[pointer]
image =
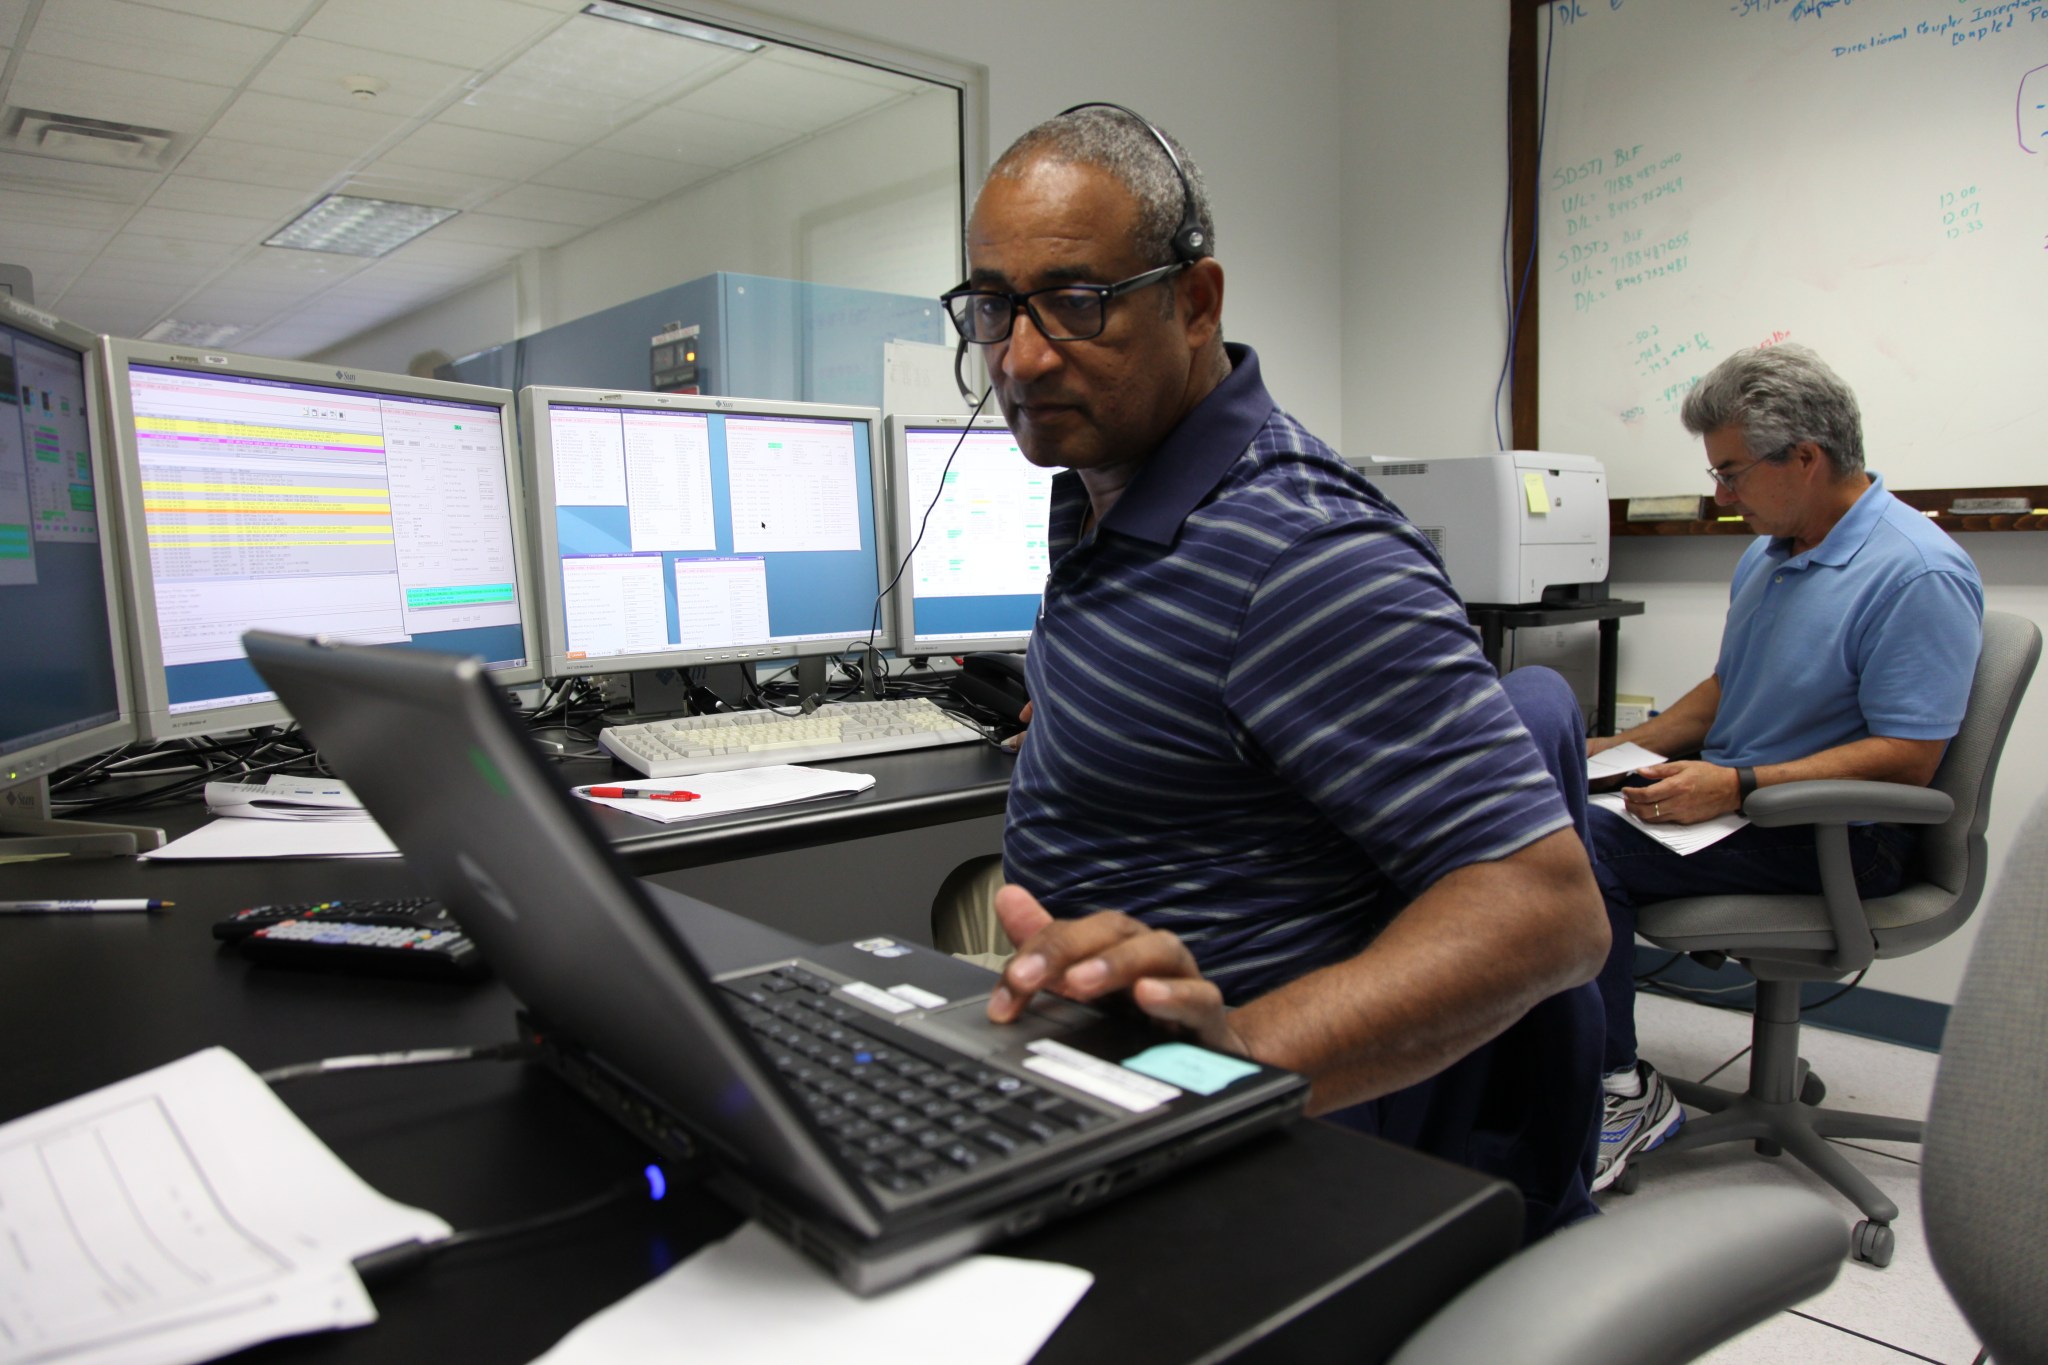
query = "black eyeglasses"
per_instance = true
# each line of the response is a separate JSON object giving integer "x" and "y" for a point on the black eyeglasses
{"x": 1728, "y": 481}
{"x": 1066, "y": 312}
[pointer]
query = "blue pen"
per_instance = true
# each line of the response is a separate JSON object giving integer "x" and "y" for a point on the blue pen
{"x": 78, "y": 906}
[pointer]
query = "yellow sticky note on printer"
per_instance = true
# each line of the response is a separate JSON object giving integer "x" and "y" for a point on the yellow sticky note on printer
{"x": 1539, "y": 496}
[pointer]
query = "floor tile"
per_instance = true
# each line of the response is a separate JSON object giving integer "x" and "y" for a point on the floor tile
{"x": 1789, "y": 1337}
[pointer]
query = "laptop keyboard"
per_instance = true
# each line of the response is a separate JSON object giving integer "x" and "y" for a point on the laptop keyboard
{"x": 904, "y": 1112}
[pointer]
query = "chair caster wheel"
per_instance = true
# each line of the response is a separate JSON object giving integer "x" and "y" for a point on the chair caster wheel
{"x": 1872, "y": 1242}
{"x": 1813, "y": 1091}
{"x": 1628, "y": 1181}
{"x": 1766, "y": 1147}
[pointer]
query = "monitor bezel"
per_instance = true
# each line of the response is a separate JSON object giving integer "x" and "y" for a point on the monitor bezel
{"x": 40, "y": 757}
{"x": 537, "y": 445}
{"x": 904, "y": 519}
{"x": 154, "y": 718}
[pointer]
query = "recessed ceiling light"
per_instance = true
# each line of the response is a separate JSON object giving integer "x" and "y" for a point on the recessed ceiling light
{"x": 350, "y": 225}
{"x": 179, "y": 333}
{"x": 668, "y": 23}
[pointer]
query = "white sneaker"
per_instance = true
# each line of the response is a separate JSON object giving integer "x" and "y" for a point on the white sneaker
{"x": 1635, "y": 1123}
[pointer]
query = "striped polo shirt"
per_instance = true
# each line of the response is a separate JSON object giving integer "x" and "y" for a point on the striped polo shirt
{"x": 1261, "y": 718}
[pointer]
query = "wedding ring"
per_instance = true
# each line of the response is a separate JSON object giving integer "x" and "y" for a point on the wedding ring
{"x": 1657, "y": 808}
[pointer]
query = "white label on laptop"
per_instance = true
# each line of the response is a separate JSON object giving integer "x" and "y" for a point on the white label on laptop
{"x": 918, "y": 996}
{"x": 876, "y": 996}
{"x": 1104, "y": 1080}
{"x": 882, "y": 947}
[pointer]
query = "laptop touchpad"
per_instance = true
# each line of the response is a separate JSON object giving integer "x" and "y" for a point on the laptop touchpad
{"x": 966, "y": 1025}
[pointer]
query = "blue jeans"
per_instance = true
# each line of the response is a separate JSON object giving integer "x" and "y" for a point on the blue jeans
{"x": 1635, "y": 870}
{"x": 1525, "y": 1106}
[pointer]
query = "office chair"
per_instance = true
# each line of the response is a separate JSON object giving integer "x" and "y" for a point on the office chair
{"x": 1981, "y": 1190}
{"x": 1663, "y": 1282}
{"x": 1785, "y": 940}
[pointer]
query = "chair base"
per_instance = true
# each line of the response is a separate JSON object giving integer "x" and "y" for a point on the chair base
{"x": 1772, "y": 1114}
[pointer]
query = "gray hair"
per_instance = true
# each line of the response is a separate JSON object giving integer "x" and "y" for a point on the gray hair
{"x": 1780, "y": 396}
{"x": 1113, "y": 141}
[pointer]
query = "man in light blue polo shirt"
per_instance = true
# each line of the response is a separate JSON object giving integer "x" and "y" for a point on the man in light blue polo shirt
{"x": 1852, "y": 636}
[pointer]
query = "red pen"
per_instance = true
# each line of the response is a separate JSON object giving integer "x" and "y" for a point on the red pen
{"x": 629, "y": 794}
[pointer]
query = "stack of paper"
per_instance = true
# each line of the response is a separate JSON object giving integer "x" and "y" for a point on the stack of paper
{"x": 139, "y": 1230}
{"x": 1620, "y": 761}
{"x": 726, "y": 793}
{"x": 750, "y": 1298}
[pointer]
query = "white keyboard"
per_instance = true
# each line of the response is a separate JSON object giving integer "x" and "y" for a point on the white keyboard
{"x": 755, "y": 739}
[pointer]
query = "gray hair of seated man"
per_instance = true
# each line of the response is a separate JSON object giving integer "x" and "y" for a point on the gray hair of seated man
{"x": 1780, "y": 396}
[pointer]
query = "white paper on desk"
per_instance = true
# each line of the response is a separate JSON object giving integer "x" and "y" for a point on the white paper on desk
{"x": 742, "y": 789}
{"x": 295, "y": 798}
{"x": 1680, "y": 839}
{"x": 751, "y": 1298}
{"x": 280, "y": 839}
{"x": 1620, "y": 761}
{"x": 140, "y": 1230}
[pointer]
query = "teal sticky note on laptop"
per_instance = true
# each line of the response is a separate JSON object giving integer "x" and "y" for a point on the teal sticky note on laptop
{"x": 1190, "y": 1067}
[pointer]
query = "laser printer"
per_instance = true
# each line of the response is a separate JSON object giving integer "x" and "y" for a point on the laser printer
{"x": 1514, "y": 527}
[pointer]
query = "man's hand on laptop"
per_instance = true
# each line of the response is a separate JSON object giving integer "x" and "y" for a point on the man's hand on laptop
{"x": 1086, "y": 959}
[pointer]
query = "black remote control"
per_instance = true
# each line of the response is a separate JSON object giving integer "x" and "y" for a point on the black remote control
{"x": 413, "y": 936}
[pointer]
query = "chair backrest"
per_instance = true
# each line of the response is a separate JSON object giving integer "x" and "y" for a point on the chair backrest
{"x": 1952, "y": 854}
{"x": 1982, "y": 1189}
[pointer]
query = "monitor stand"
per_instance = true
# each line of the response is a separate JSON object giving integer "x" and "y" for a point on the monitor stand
{"x": 27, "y": 831}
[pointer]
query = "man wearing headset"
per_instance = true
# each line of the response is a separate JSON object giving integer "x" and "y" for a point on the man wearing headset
{"x": 1271, "y": 787}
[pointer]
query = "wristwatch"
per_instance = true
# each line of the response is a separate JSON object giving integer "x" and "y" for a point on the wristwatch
{"x": 1745, "y": 783}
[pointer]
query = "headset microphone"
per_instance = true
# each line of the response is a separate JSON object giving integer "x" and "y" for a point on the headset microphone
{"x": 1190, "y": 243}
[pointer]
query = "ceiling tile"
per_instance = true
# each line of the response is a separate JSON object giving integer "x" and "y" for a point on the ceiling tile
{"x": 252, "y": 163}
{"x": 701, "y": 139}
{"x": 51, "y": 272}
{"x": 63, "y": 86}
{"x": 86, "y": 296}
{"x": 631, "y": 177}
{"x": 427, "y": 250}
{"x": 473, "y": 33}
{"x": 61, "y": 210}
{"x": 849, "y": 70}
{"x": 485, "y": 229}
{"x": 551, "y": 204}
{"x": 314, "y": 69}
{"x": 152, "y": 41}
{"x": 127, "y": 270}
{"x": 11, "y": 13}
{"x": 275, "y": 15}
{"x": 115, "y": 316}
{"x": 19, "y": 237}
{"x": 477, "y": 152}
{"x": 785, "y": 96}
{"x": 115, "y": 185}
{"x": 138, "y": 246}
{"x": 585, "y": 78}
{"x": 242, "y": 308}
{"x": 302, "y": 125}
{"x": 418, "y": 185}
{"x": 199, "y": 194}
{"x": 201, "y": 227}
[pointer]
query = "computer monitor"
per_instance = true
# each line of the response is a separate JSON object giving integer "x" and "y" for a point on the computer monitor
{"x": 303, "y": 498}
{"x": 675, "y": 531}
{"x": 63, "y": 663}
{"x": 977, "y": 575}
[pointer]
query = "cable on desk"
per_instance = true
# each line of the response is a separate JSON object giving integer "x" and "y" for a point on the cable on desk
{"x": 388, "y": 1263}
{"x": 425, "y": 1056}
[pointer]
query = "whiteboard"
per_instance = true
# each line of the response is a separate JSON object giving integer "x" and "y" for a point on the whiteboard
{"x": 1868, "y": 177}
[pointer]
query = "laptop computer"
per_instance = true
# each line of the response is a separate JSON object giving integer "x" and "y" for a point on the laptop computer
{"x": 854, "y": 1098}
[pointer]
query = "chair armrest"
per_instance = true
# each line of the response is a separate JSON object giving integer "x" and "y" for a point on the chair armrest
{"x": 1843, "y": 801}
{"x": 1651, "y": 1284}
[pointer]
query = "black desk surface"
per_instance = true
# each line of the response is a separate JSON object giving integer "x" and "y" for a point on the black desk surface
{"x": 1316, "y": 1243}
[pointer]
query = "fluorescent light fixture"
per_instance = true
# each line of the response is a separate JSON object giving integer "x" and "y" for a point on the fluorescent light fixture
{"x": 348, "y": 225}
{"x": 668, "y": 23}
